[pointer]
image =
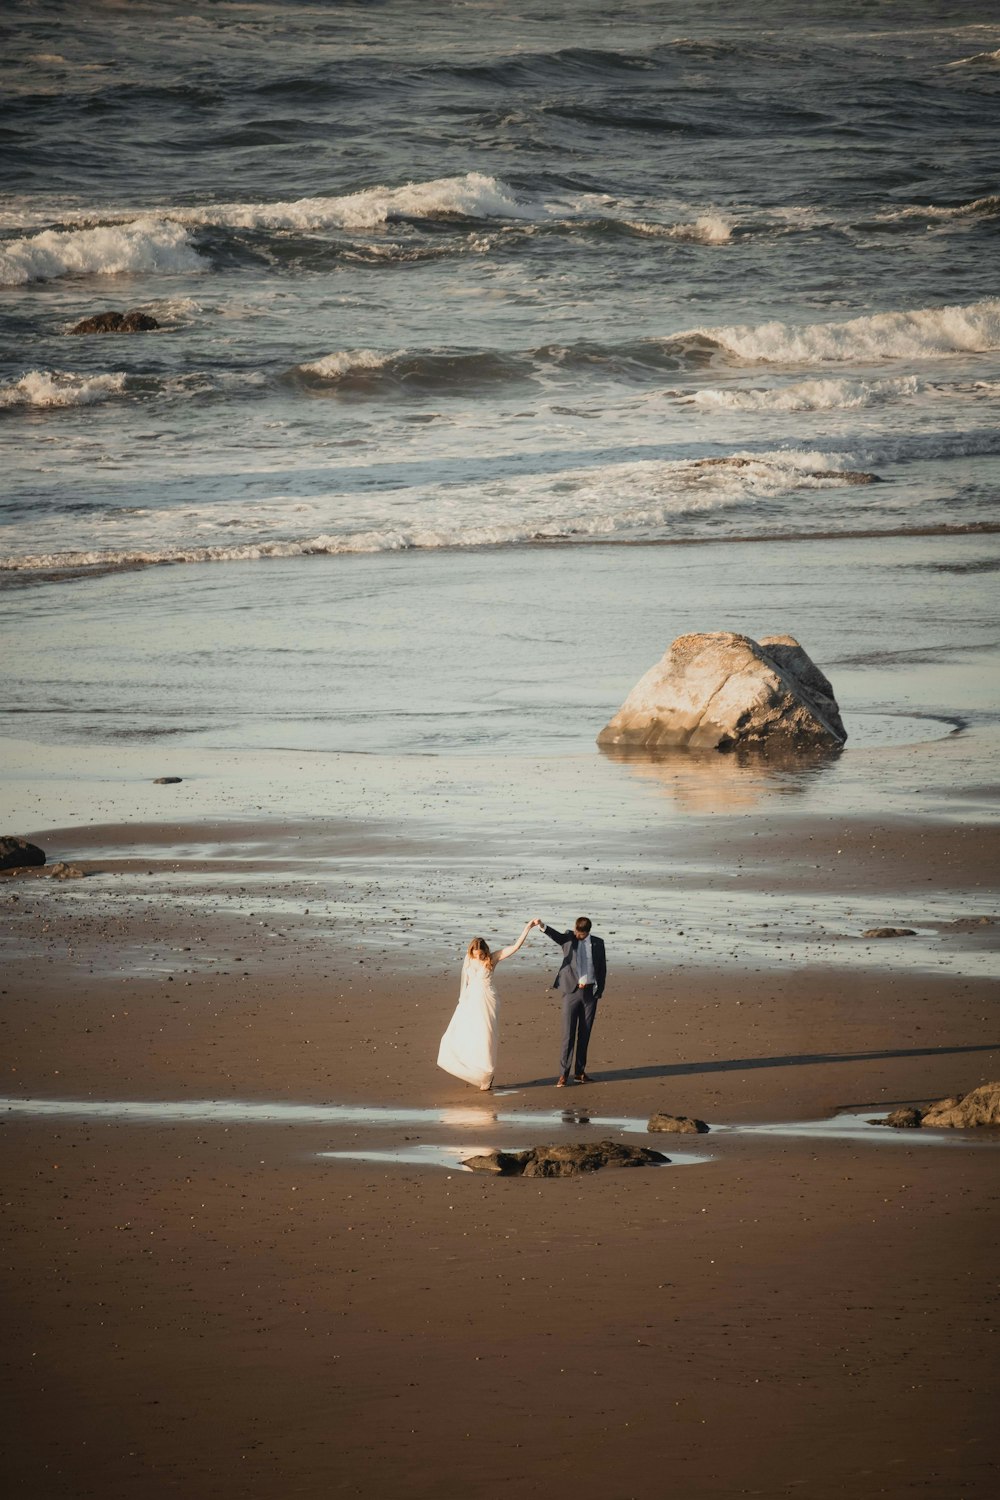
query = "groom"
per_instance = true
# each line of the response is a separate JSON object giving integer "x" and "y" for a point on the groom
{"x": 580, "y": 981}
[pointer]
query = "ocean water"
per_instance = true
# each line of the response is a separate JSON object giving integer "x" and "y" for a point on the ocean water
{"x": 497, "y": 282}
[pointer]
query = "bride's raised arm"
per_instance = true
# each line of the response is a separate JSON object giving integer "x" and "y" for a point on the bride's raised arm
{"x": 509, "y": 952}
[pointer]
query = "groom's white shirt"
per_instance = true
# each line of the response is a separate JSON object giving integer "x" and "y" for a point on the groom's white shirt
{"x": 584, "y": 964}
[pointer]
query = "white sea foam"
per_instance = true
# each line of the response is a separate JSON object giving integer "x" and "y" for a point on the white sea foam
{"x": 922, "y": 334}
{"x": 983, "y": 58}
{"x": 808, "y": 395}
{"x": 60, "y": 388}
{"x": 144, "y": 245}
{"x": 707, "y": 229}
{"x": 473, "y": 196}
{"x": 976, "y": 208}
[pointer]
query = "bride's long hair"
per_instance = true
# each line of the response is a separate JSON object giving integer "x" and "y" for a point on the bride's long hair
{"x": 480, "y": 948}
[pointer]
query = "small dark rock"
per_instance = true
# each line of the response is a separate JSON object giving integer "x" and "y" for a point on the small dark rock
{"x": 564, "y": 1161}
{"x": 167, "y": 780}
{"x": 906, "y": 1118}
{"x": 847, "y": 476}
{"x": 116, "y": 322}
{"x": 967, "y": 924}
{"x": 16, "y": 853}
{"x": 676, "y": 1124}
{"x": 499, "y": 1163}
{"x": 888, "y": 932}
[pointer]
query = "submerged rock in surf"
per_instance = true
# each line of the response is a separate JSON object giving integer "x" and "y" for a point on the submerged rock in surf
{"x": 846, "y": 476}
{"x": 719, "y": 690}
{"x": 116, "y": 322}
{"x": 564, "y": 1161}
{"x": 17, "y": 854}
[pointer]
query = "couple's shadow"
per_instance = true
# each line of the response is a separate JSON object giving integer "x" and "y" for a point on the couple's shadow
{"x": 745, "y": 1064}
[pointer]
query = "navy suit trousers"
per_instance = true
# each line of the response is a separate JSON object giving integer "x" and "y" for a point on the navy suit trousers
{"x": 579, "y": 1009}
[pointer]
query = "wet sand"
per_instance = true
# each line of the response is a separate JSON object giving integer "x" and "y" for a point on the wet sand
{"x": 222, "y": 1308}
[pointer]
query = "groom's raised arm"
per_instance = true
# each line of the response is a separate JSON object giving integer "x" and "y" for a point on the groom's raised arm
{"x": 557, "y": 937}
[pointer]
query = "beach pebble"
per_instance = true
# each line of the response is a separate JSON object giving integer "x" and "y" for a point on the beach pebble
{"x": 889, "y": 932}
{"x": 167, "y": 780}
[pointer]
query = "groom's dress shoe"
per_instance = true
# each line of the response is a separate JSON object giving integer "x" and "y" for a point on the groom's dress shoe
{"x": 562, "y": 1080}
{"x": 583, "y": 1078}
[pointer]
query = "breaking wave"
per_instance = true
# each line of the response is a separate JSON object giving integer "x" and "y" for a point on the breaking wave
{"x": 60, "y": 388}
{"x": 987, "y": 59}
{"x": 922, "y": 334}
{"x": 149, "y": 244}
{"x": 707, "y": 229}
{"x": 175, "y": 239}
{"x": 473, "y": 196}
{"x": 884, "y": 336}
{"x": 445, "y": 372}
{"x": 65, "y": 388}
{"x": 809, "y": 395}
{"x": 978, "y": 208}
{"x": 647, "y": 499}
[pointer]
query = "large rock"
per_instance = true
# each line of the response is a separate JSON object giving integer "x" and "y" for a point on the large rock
{"x": 676, "y": 1124}
{"x": 16, "y": 853}
{"x": 116, "y": 322}
{"x": 564, "y": 1161}
{"x": 980, "y": 1106}
{"x": 719, "y": 690}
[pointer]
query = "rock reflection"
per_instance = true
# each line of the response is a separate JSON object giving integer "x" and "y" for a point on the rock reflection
{"x": 734, "y": 780}
{"x": 465, "y": 1117}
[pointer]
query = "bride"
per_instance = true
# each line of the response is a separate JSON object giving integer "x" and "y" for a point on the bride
{"x": 469, "y": 1046}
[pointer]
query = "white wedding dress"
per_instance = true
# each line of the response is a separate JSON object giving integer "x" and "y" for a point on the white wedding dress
{"x": 469, "y": 1047}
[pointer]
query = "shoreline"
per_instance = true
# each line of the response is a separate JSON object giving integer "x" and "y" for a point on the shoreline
{"x": 14, "y": 573}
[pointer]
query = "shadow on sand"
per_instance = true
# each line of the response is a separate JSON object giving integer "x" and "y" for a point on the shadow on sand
{"x": 745, "y": 1064}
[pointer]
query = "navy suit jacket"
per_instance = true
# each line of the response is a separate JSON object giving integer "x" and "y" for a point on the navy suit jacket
{"x": 567, "y": 979}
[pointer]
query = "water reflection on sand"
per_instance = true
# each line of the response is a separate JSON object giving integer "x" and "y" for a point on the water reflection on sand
{"x": 738, "y": 780}
{"x": 491, "y": 1124}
